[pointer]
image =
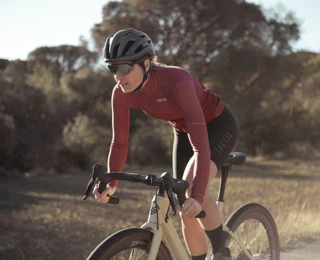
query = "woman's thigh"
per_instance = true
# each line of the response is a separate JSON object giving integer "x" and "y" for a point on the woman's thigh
{"x": 222, "y": 133}
{"x": 188, "y": 173}
{"x": 181, "y": 154}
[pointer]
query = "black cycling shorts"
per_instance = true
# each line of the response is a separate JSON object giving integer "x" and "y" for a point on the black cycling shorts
{"x": 222, "y": 133}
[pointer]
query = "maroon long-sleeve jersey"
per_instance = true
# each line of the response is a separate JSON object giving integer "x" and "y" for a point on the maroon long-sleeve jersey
{"x": 174, "y": 95}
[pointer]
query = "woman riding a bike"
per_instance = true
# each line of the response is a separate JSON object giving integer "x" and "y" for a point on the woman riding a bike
{"x": 205, "y": 130}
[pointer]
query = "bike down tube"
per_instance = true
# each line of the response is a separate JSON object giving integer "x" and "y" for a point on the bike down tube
{"x": 163, "y": 227}
{"x": 156, "y": 239}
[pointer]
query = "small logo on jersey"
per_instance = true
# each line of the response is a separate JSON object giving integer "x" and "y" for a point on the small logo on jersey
{"x": 162, "y": 100}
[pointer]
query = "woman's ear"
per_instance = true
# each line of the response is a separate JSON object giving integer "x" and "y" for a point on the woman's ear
{"x": 147, "y": 64}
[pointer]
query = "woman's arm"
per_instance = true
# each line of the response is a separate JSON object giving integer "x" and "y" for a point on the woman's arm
{"x": 186, "y": 98}
{"x": 120, "y": 133}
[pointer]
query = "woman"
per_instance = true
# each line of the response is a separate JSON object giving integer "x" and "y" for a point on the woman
{"x": 205, "y": 130}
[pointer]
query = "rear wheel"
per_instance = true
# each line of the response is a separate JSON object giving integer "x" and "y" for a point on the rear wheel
{"x": 254, "y": 226}
{"x": 131, "y": 243}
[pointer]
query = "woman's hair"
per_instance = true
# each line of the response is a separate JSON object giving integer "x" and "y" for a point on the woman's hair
{"x": 156, "y": 64}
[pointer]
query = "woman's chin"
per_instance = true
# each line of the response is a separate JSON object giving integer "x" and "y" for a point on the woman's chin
{"x": 126, "y": 89}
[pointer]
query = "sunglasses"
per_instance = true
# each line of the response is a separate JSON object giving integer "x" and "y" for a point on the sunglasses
{"x": 122, "y": 69}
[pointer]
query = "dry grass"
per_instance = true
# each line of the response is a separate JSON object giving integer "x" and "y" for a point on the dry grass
{"x": 289, "y": 189}
{"x": 43, "y": 217}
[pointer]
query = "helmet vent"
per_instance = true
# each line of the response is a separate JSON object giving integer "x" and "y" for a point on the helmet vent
{"x": 127, "y": 47}
{"x": 115, "y": 50}
{"x": 139, "y": 49}
{"x": 125, "y": 34}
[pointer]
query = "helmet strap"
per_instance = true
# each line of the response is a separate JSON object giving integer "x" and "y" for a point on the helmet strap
{"x": 145, "y": 77}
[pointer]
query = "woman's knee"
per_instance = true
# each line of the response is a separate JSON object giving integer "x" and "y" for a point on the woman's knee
{"x": 213, "y": 170}
{"x": 189, "y": 223}
{"x": 188, "y": 174}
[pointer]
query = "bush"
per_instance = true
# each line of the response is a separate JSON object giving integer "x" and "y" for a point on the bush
{"x": 84, "y": 136}
{"x": 8, "y": 139}
{"x": 66, "y": 158}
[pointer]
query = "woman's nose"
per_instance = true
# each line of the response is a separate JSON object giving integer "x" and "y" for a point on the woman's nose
{"x": 118, "y": 76}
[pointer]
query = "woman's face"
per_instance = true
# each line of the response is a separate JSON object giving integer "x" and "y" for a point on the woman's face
{"x": 133, "y": 79}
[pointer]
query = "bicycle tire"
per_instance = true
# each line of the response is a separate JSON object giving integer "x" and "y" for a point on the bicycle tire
{"x": 263, "y": 244}
{"x": 120, "y": 245}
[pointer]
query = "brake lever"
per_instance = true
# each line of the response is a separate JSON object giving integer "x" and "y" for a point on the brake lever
{"x": 172, "y": 201}
{"x": 89, "y": 188}
{"x": 95, "y": 168}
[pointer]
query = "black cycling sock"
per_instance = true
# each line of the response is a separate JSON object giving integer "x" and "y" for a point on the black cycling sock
{"x": 199, "y": 257}
{"x": 215, "y": 237}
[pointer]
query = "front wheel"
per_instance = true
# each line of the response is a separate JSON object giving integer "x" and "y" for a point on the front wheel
{"x": 131, "y": 243}
{"x": 254, "y": 226}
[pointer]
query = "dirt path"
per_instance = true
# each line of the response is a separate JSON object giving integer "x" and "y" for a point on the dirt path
{"x": 44, "y": 217}
{"x": 308, "y": 252}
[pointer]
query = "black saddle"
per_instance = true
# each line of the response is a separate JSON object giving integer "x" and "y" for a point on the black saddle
{"x": 235, "y": 158}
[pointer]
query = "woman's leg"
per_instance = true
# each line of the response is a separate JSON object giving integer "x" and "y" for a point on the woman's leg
{"x": 193, "y": 230}
{"x": 222, "y": 133}
{"x": 182, "y": 162}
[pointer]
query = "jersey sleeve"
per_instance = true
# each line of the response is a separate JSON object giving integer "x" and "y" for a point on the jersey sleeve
{"x": 120, "y": 133}
{"x": 186, "y": 98}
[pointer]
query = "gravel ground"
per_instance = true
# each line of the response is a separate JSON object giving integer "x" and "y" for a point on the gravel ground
{"x": 308, "y": 252}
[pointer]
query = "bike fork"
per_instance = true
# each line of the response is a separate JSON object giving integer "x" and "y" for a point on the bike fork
{"x": 155, "y": 245}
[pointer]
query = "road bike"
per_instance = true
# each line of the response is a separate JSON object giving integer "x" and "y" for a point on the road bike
{"x": 250, "y": 232}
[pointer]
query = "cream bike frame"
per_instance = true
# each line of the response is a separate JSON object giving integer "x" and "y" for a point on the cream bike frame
{"x": 160, "y": 224}
{"x": 163, "y": 229}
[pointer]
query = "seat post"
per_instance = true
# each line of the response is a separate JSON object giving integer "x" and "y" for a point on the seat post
{"x": 223, "y": 181}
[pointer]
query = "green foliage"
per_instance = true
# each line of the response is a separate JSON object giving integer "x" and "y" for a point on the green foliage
{"x": 35, "y": 107}
{"x": 151, "y": 142}
{"x": 3, "y": 64}
{"x": 69, "y": 57}
{"x": 84, "y": 136}
{"x": 23, "y": 106}
{"x": 8, "y": 138}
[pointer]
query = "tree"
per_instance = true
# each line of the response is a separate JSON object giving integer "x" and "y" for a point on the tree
{"x": 87, "y": 138}
{"x": 70, "y": 58}
{"x": 233, "y": 47}
{"x": 193, "y": 33}
{"x": 24, "y": 111}
{"x": 8, "y": 137}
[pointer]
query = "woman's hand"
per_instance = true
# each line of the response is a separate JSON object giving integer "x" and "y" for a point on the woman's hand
{"x": 105, "y": 195}
{"x": 191, "y": 208}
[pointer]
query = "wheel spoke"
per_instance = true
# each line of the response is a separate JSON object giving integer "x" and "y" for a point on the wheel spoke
{"x": 254, "y": 227}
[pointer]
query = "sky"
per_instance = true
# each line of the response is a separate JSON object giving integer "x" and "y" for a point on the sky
{"x": 28, "y": 24}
